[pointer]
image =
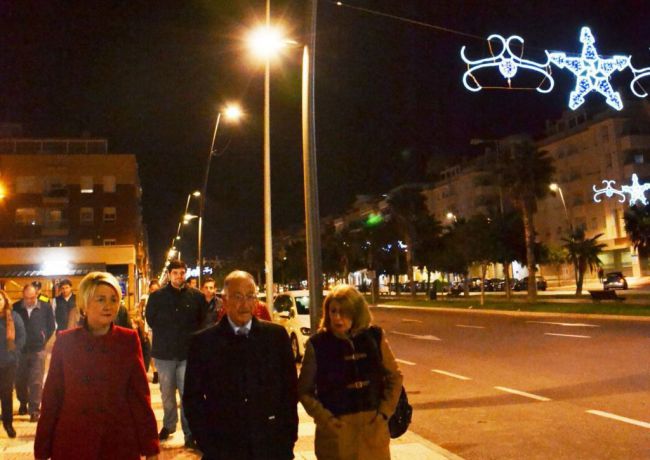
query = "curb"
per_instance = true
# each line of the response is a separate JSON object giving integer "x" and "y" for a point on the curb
{"x": 642, "y": 319}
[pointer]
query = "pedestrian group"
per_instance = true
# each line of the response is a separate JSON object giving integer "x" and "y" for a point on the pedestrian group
{"x": 233, "y": 369}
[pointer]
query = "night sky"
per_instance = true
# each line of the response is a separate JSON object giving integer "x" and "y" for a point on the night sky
{"x": 149, "y": 76}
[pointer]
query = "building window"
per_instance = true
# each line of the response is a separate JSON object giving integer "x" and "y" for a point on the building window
{"x": 109, "y": 184}
{"x": 26, "y": 184}
{"x": 110, "y": 214}
{"x": 638, "y": 158}
{"x": 87, "y": 185}
{"x": 54, "y": 216}
{"x": 26, "y": 216}
{"x": 86, "y": 242}
{"x": 110, "y": 242}
{"x": 86, "y": 216}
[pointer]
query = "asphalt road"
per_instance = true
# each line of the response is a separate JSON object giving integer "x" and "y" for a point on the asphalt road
{"x": 510, "y": 387}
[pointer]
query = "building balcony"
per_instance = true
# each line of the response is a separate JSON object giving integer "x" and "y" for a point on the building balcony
{"x": 59, "y": 228}
{"x": 58, "y": 196}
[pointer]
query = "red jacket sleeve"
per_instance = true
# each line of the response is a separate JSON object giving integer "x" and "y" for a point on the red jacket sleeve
{"x": 51, "y": 402}
{"x": 139, "y": 401}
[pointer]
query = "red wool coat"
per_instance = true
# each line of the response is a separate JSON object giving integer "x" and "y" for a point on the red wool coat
{"x": 96, "y": 402}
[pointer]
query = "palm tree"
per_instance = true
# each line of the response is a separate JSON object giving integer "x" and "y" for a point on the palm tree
{"x": 527, "y": 173}
{"x": 637, "y": 226}
{"x": 407, "y": 208}
{"x": 583, "y": 253}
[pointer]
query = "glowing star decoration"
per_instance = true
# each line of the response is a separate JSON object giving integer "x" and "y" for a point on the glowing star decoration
{"x": 507, "y": 62}
{"x": 636, "y": 191}
{"x": 591, "y": 71}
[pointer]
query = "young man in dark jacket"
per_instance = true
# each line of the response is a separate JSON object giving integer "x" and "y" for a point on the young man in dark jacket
{"x": 174, "y": 313}
{"x": 38, "y": 319}
{"x": 63, "y": 303}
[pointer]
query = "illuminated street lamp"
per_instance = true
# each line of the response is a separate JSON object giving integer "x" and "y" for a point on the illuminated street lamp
{"x": 232, "y": 112}
{"x": 451, "y": 217}
{"x": 556, "y": 188}
{"x": 265, "y": 42}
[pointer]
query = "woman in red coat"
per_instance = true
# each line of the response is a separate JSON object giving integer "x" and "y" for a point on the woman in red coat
{"x": 96, "y": 402}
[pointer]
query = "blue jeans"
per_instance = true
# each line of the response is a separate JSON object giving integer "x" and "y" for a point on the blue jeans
{"x": 171, "y": 374}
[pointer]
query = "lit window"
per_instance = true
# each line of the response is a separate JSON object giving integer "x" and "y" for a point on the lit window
{"x": 27, "y": 184}
{"x": 86, "y": 242}
{"x": 54, "y": 216}
{"x": 86, "y": 184}
{"x": 86, "y": 215}
{"x": 109, "y": 184}
{"x": 638, "y": 158}
{"x": 26, "y": 216}
{"x": 110, "y": 214}
{"x": 110, "y": 242}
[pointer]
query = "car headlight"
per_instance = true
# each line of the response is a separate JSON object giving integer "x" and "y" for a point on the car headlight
{"x": 305, "y": 330}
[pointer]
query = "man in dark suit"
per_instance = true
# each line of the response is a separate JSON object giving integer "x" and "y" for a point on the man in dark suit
{"x": 240, "y": 387}
{"x": 38, "y": 319}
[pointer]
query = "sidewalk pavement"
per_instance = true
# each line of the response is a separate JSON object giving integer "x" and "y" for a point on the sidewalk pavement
{"x": 408, "y": 447}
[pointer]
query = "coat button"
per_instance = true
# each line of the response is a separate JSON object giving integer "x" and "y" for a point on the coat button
{"x": 89, "y": 348}
{"x": 86, "y": 379}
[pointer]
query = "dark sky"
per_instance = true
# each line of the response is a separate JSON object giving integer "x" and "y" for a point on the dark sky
{"x": 149, "y": 76}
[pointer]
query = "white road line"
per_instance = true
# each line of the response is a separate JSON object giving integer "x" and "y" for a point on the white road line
{"x": 470, "y": 326}
{"x": 406, "y": 320}
{"x": 619, "y": 418}
{"x": 449, "y": 374}
{"x": 569, "y": 335}
{"x": 565, "y": 324}
{"x": 415, "y": 336}
{"x": 522, "y": 393}
{"x": 403, "y": 361}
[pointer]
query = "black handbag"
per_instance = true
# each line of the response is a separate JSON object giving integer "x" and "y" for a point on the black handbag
{"x": 399, "y": 422}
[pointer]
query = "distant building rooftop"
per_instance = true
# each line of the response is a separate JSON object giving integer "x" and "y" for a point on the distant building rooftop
{"x": 53, "y": 146}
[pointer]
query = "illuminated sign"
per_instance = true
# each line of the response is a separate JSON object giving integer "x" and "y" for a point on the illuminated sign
{"x": 592, "y": 72}
{"x": 636, "y": 191}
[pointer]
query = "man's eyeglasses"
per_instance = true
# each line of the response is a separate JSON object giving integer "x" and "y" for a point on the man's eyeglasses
{"x": 240, "y": 298}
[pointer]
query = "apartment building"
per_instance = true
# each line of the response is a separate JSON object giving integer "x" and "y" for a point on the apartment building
{"x": 76, "y": 199}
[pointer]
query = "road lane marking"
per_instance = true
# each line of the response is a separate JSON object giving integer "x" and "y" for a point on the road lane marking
{"x": 522, "y": 393}
{"x": 449, "y": 374}
{"x": 569, "y": 335}
{"x": 470, "y": 326}
{"x": 403, "y": 361}
{"x": 619, "y": 418}
{"x": 415, "y": 336}
{"x": 406, "y": 320}
{"x": 565, "y": 324}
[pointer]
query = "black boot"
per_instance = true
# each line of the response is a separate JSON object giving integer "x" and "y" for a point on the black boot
{"x": 9, "y": 429}
{"x": 155, "y": 378}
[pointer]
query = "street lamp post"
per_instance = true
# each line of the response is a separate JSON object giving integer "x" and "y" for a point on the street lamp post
{"x": 556, "y": 188}
{"x": 231, "y": 112}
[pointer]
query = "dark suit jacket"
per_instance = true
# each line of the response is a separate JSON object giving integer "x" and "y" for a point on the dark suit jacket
{"x": 240, "y": 394}
{"x": 39, "y": 327}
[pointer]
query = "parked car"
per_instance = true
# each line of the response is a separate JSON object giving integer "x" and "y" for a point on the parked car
{"x": 614, "y": 280}
{"x": 522, "y": 284}
{"x": 291, "y": 310}
{"x": 495, "y": 284}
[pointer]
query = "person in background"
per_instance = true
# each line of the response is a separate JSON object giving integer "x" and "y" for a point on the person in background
{"x": 240, "y": 394}
{"x": 96, "y": 402}
{"x": 39, "y": 295}
{"x": 349, "y": 383}
{"x": 209, "y": 290}
{"x": 174, "y": 313}
{"x": 62, "y": 304}
{"x": 154, "y": 285}
{"x": 192, "y": 282}
{"x": 12, "y": 340}
{"x": 38, "y": 319}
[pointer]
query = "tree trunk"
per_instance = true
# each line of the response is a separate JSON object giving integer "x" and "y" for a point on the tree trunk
{"x": 529, "y": 231}
{"x": 483, "y": 271}
{"x": 506, "y": 276}
{"x": 409, "y": 264}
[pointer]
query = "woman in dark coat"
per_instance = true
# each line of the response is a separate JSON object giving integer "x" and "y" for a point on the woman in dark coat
{"x": 12, "y": 340}
{"x": 349, "y": 382}
{"x": 96, "y": 402}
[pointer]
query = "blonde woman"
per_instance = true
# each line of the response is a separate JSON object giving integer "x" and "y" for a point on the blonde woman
{"x": 350, "y": 382}
{"x": 12, "y": 340}
{"x": 96, "y": 402}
